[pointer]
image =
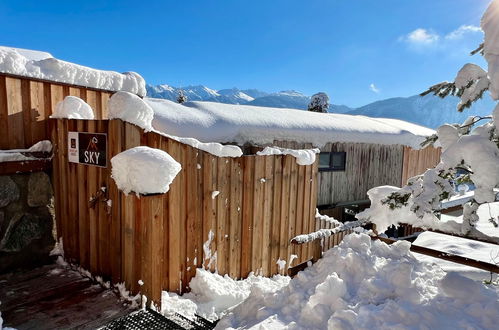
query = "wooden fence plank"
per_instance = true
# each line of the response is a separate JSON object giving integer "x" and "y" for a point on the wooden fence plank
{"x": 236, "y": 199}
{"x": 247, "y": 221}
{"x": 268, "y": 185}
{"x": 257, "y": 228}
{"x": 15, "y": 118}
{"x": 276, "y": 215}
{"x": 174, "y": 226}
{"x": 4, "y": 115}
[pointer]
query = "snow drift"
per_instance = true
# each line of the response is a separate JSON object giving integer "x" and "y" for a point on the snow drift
{"x": 144, "y": 170}
{"x": 365, "y": 284}
{"x": 42, "y": 65}
{"x": 212, "y": 295}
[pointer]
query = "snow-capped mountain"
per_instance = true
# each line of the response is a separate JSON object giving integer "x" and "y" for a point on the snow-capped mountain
{"x": 284, "y": 99}
{"x": 430, "y": 111}
{"x": 199, "y": 93}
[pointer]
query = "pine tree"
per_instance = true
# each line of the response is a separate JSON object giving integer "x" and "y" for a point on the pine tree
{"x": 319, "y": 103}
{"x": 181, "y": 98}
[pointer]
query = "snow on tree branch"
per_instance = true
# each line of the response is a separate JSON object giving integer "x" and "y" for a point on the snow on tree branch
{"x": 319, "y": 103}
{"x": 468, "y": 146}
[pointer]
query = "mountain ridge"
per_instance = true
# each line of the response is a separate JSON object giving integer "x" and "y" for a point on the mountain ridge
{"x": 429, "y": 110}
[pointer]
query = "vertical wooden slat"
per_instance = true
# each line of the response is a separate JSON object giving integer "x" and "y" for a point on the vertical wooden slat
{"x": 276, "y": 215}
{"x": 236, "y": 201}
{"x": 104, "y": 219}
{"x": 39, "y": 119}
{"x": 246, "y": 239}
{"x": 174, "y": 225}
{"x": 73, "y": 201}
{"x": 15, "y": 120}
{"x": 267, "y": 214}
{"x": 209, "y": 169}
{"x": 26, "y": 111}
{"x": 115, "y": 139}
{"x": 284, "y": 230}
{"x": 92, "y": 189}
{"x": 83, "y": 216}
{"x": 257, "y": 228}
{"x": 300, "y": 219}
{"x": 222, "y": 200}
{"x": 191, "y": 188}
{"x": 292, "y": 208}
{"x": 4, "y": 115}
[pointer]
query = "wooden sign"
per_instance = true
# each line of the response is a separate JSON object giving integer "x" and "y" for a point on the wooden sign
{"x": 87, "y": 148}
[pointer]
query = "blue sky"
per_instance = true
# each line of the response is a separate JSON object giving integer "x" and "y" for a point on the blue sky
{"x": 356, "y": 51}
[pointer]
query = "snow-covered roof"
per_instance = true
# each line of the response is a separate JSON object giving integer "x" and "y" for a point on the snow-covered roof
{"x": 42, "y": 65}
{"x": 224, "y": 123}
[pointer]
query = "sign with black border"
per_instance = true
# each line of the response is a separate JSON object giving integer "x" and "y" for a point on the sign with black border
{"x": 87, "y": 148}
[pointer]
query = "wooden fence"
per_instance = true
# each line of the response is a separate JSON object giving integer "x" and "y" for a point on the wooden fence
{"x": 264, "y": 201}
{"x": 418, "y": 161}
{"x": 27, "y": 103}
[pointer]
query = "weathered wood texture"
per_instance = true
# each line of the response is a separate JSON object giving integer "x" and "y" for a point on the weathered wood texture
{"x": 418, "y": 161}
{"x": 161, "y": 239}
{"x": 368, "y": 166}
{"x": 50, "y": 297}
{"x": 27, "y": 103}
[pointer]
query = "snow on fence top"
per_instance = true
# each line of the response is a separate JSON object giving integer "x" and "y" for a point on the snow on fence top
{"x": 208, "y": 121}
{"x": 42, "y": 65}
{"x": 73, "y": 107}
{"x": 144, "y": 170}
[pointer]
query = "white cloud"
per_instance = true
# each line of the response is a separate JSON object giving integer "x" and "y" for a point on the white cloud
{"x": 462, "y": 30}
{"x": 421, "y": 37}
{"x": 373, "y": 88}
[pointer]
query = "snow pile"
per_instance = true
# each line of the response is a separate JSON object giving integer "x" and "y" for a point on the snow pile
{"x": 13, "y": 155}
{"x": 131, "y": 108}
{"x": 303, "y": 156}
{"x": 213, "y": 295}
{"x": 144, "y": 170}
{"x": 232, "y": 123}
{"x": 43, "y": 66}
{"x": 73, "y": 107}
{"x": 365, "y": 284}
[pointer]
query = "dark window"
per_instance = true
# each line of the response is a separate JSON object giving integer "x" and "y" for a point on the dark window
{"x": 332, "y": 161}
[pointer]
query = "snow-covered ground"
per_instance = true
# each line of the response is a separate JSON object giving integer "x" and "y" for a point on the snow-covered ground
{"x": 365, "y": 284}
{"x": 465, "y": 247}
{"x": 212, "y": 296}
{"x": 360, "y": 284}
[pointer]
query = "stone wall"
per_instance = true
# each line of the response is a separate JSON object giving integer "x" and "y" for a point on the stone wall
{"x": 26, "y": 220}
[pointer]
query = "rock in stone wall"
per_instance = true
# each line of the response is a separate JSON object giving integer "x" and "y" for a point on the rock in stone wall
{"x": 26, "y": 223}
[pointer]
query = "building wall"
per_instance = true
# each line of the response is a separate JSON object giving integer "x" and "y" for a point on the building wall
{"x": 367, "y": 166}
